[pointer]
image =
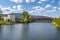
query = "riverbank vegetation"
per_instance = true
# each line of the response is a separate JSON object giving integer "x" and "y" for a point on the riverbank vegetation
{"x": 5, "y": 23}
{"x": 56, "y": 22}
{"x": 25, "y": 18}
{"x": 2, "y": 22}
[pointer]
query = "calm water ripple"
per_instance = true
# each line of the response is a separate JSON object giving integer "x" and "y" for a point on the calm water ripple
{"x": 31, "y": 31}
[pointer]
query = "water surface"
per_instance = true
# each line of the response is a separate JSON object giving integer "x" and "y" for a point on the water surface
{"x": 31, "y": 31}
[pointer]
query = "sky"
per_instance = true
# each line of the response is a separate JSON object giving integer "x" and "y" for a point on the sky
{"x": 33, "y": 7}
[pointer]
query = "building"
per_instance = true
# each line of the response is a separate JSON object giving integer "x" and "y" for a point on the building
{"x": 5, "y": 18}
{"x": 9, "y": 17}
{"x": 42, "y": 19}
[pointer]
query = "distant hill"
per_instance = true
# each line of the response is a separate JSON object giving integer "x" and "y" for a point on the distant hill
{"x": 18, "y": 15}
{"x": 34, "y": 16}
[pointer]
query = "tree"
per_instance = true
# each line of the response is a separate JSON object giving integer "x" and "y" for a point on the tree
{"x": 1, "y": 19}
{"x": 25, "y": 17}
{"x": 56, "y": 22}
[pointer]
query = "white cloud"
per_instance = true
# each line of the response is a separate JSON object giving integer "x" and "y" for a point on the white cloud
{"x": 32, "y": 0}
{"x": 20, "y": 1}
{"x": 6, "y": 10}
{"x": 27, "y": 1}
{"x": 17, "y": 1}
{"x": 38, "y": 8}
{"x": 39, "y": 2}
{"x": 33, "y": 12}
{"x": 14, "y": 7}
{"x": 54, "y": 10}
{"x": 43, "y": 0}
{"x": 19, "y": 7}
{"x": 59, "y": 8}
{"x": 54, "y": 7}
{"x": 48, "y": 6}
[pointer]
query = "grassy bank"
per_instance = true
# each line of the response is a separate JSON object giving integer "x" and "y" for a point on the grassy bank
{"x": 5, "y": 23}
{"x": 56, "y": 22}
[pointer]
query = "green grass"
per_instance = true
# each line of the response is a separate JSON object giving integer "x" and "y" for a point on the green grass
{"x": 5, "y": 23}
{"x": 56, "y": 23}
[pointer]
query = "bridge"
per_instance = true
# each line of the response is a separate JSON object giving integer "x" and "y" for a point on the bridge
{"x": 44, "y": 20}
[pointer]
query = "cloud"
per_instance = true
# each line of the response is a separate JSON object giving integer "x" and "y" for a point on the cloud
{"x": 31, "y": 11}
{"x": 43, "y": 0}
{"x": 20, "y": 1}
{"x": 54, "y": 7}
{"x": 39, "y": 2}
{"x": 34, "y": 12}
{"x": 17, "y": 9}
{"x": 38, "y": 8}
{"x": 45, "y": 13}
{"x": 32, "y": 0}
{"x": 6, "y": 10}
{"x": 17, "y": 1}
{"x": 59, "y": 8}
{"x": 28, "y": 1}
{"x": 20, "y": 7}
{"x": 48, "y": 6}
{"x": 49, "y": 11}
{"x": 14, "y": 7}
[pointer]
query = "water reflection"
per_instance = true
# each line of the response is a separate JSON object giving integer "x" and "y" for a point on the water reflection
{"x": 32, "y": 31}
{"x": 42, "y": 31}
{"x": 0, "y": 31}
{"x": 58, "y": 35}
{"x": 0, "y": 28}
{"x": 7, "y": 31}
{"x": 25, "y": 31}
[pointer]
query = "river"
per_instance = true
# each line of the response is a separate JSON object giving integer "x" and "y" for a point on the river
{"x": 31, "y": 31}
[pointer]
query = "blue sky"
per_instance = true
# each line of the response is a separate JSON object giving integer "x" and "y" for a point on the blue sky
{"x": 34, "y": 7}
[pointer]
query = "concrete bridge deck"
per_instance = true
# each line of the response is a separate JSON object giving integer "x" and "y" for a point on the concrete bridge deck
{"x": 47, "y": 20}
